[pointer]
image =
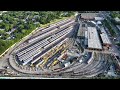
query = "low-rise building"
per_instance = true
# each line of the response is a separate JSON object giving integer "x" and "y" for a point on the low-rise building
{"x": 88, "y": 15}
{"x": 105, "y": 39}
{"x": 94, "y": 42}
{"x": 99, "y": 23}
{"x": 117, "y": 19}
{"x": 99, "y": 18}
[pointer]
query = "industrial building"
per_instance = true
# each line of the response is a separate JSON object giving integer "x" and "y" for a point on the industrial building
{"x": 81, "y": 30}
{"x": 94, "y": 42}
{"x": 88, "y": 15}
{"x": 99, "y": 18}
{"x": 93, "y": 33}
{"x": 105, "y": 40}
{"x": 68, "y": 61}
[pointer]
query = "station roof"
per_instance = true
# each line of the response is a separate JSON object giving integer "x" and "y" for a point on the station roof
{"x": 93, "y": 38}
{"x": 88, "y": 15}
{"x": 104, "y": 36}
{"x": 99, "y": 18}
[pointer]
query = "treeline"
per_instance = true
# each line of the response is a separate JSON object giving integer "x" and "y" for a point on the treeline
{"x": 112, "y": 32}
{"x": 115, "y": 14}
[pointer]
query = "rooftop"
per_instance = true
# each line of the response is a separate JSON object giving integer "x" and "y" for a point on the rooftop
{"x": 99, "y": 18}
{"x": 93, "y": 38}
{"x": 104, "y": 36}
{"x": 88, "y": 15}
{"x": 99, "y": 22}
{"x": 117, "y": 19}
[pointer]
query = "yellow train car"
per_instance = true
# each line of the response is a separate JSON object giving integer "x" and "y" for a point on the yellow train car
{"x": 63, "y": 51}
{"x": 55, "y": 62}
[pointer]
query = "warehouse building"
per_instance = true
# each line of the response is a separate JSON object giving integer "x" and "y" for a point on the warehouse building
{"x": 105, "y": 39}
{"x": 94, "y": 42}
{"x": 81, "y": 30}
{"x": 99, "y": 18}
{"x": 88, "y": 16}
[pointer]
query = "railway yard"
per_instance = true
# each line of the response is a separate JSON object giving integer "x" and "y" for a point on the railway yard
{"x": 66, "y": 49}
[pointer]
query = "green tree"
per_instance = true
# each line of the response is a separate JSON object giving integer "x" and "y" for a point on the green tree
{"x": 7, "y": 27}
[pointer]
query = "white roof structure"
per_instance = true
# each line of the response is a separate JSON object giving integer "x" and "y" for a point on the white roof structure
{"x": 99, "y": 22}
{"x": 104, "y": 36}
{"x": 99, "y": 18}
{"x": 88, "y": 15}
{"x": 67, "y": 64}
{"x": 93, "y": 22}
{"x": 86, "y": 37}
{"x": 117, "y": 19}
{"x": 93, "y": 38}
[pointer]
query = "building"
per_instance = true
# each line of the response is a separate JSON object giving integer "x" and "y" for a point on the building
{"x": 88, "y": 15}
{"x": 66, "y": 64}
{"x": 99, "y": 23}
{"x": 94, "y": 42}
{"x": 105, "y": 39}
{"x": 68, "y": 61}
{"x": 81, "y": 30}
{"x": 99, "y": 18}
{"x": 117, "y": 19}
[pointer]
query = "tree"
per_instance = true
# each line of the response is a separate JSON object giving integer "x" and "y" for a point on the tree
{"x": 43, "y": 20}
{"x": 11, "y": 26}
{"x": 5, "y": 36}
{"x": 2, "y": 25}
{"x": 20, "y": 27}
{"x": 7, "y": 27}
{"x": 23, "y": 31}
